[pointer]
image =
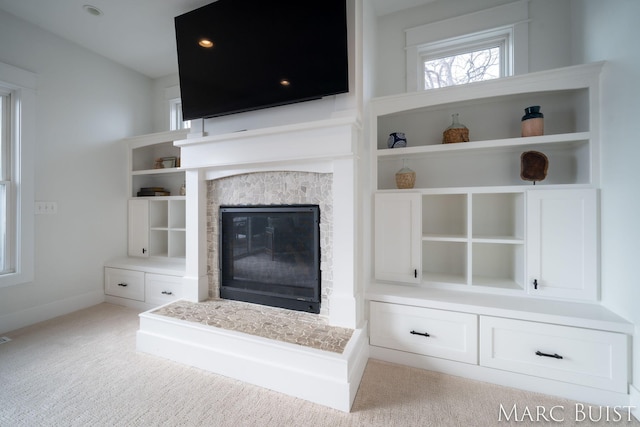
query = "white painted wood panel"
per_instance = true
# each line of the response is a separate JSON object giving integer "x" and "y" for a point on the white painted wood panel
{"x": 581, "y": 356}
{"x": 451, "y": 335}
{"x": 124, "y": 283}
{"x": 398, "y": 237}
{"x": 161, "y": 289}
{"x": 562, "y": 243}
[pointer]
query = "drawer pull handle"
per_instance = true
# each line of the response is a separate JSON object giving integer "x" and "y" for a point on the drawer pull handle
{"x": 167, "y": 293}
{"x": 554, "y": 355}
{"x": 124, "y": 285}
{"x": 535, "y": 283}
{"x": 420, "y": 333}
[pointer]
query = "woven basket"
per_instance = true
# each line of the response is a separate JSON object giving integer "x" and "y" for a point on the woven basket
{"x": 405, "y": 180}
{"x": 451, "y": 136}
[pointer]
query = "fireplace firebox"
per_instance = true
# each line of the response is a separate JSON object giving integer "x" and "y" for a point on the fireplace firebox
{"x": 270, "y": 255}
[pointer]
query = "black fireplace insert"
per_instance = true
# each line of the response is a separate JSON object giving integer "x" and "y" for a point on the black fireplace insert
{"x": 270, "y": 255}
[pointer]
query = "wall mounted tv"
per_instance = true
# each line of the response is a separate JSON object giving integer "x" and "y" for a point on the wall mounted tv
{"x": 260, "y": 54}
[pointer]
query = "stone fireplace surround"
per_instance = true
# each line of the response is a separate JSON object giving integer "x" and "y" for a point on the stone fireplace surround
{"x": 272, "y": 188}
{"x": 290, "y": 154}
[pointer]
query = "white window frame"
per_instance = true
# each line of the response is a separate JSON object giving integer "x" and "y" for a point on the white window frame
{"x": 6, "y": 193}
{"x": 20, "y": 216}
{"x": 500, "y": 37}
{"x": 175, "y": 115}
{"x": 464, "y": 32}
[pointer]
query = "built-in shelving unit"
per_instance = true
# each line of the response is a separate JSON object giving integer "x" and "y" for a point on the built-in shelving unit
{"x": 472, "y": 201}
{"x": 157, "y": 225}
{"x": 152, "y": 273}
{"x": 477, "y": 269}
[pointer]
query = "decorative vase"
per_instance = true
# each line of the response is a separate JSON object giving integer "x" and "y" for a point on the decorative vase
{"x": 397, "y": 140}
{"x": 405, "y": 177}
{"x": 457, "y": 132}
{"x": 532, "y": 121}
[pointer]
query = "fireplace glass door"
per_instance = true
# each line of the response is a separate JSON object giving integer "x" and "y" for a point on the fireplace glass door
{"x": 270, "y": 255}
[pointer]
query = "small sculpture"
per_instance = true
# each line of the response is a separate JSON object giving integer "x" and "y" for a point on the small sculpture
{"x": 533, "y": 166}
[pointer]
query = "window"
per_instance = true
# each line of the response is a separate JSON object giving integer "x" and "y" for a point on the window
{"x": 175, "y": 115}
{"x": 473, "y": 58}
{"x": 5, "y": 182}
{"x": 17, "y": 124}
{"x": 468, "y": 48}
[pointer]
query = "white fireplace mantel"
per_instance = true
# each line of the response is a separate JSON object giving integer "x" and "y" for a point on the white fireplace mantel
{"x": 323, "y": 146}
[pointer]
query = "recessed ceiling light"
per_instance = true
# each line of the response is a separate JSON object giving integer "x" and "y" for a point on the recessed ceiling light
{"x": 205, "y": 43}
{"x": 92, "y": 10}
{"x": 285, "y": 82}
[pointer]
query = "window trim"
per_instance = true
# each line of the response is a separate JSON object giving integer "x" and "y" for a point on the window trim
{"x": 514, "y": 15}
{"x": 175, "y": 115}
{"x": 501, "y": 37}
{"x": 22, "y": 85}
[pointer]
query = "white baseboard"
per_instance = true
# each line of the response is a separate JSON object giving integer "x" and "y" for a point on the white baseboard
{"x": 29, "y": 316}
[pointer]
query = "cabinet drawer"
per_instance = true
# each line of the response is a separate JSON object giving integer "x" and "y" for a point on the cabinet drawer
{"x": 581, "y": 356}
{"x": 451, "y": 335}
{"x": 162, "y": 289}
{"x": 124, "y": 283}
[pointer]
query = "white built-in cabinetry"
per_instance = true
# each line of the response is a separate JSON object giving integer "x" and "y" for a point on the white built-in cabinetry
{"x": 152, "y": 273}
{"x": 479, "y": 273}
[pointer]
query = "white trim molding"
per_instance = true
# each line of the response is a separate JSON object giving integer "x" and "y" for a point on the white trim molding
{"x": 23, "y": 84}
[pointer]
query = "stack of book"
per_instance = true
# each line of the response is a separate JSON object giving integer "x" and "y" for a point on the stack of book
{"x": 153, "y": 191}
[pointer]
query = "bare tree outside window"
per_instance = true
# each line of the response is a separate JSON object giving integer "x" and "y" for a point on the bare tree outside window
{"x": 462, "y": 68}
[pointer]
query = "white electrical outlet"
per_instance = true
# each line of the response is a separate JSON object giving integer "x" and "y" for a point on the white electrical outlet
{"x": 46, "y": 208}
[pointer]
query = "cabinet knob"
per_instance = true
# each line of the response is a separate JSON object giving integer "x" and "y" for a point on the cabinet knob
{"x": 144, "y": 251}
{"x": 124, "y": 285}
{"x": 535, "y": 283}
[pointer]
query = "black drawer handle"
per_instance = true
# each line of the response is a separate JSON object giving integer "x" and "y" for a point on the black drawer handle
{"x": 420, "y": 333}
{"x": 167, "y": 293}
{"x": 554, "y": 355}
{"x": 124, "y": 285}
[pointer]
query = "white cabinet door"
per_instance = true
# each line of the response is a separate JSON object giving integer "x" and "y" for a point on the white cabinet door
{"x": 139, "y": 228}
{"x": 562, "y": 243}
{"x": 398, "y": 235}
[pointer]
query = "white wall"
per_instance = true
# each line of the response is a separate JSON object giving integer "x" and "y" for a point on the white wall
{"x": 609, "y": 31}
{"x": 85, "y": 105}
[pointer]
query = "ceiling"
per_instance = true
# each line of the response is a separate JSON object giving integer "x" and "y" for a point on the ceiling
{"x": 136, "y": 33}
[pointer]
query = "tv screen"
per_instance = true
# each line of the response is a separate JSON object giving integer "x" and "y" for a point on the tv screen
{"x": 242, "y": 55}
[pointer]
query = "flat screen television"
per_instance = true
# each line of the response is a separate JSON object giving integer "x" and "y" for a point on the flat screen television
{"x": 260, "y": 54}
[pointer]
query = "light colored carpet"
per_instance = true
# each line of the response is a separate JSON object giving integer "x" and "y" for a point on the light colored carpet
{"x": 82, "y": 369}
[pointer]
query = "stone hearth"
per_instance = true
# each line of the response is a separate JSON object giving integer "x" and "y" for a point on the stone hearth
{"x": 294, "y": 327}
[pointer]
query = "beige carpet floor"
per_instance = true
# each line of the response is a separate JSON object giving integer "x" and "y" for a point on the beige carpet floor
{"x": 82, "y": 369}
